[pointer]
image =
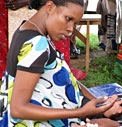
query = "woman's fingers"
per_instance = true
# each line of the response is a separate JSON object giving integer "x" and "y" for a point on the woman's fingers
{"x": 10, "y": 5}
{"x": 88, "y": 120}
{"x": 119, "y": 102}
{"x": 116, "y": 109}
{"x": 105, "y": 122}
{"x": 87, "y": 124}
{"x": 16, "y": 4}
{"x": 108, "y": 102}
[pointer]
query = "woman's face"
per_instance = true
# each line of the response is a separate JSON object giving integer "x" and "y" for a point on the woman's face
{"x": 61, "y": 20}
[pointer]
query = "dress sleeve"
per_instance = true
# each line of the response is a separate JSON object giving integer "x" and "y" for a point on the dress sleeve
{"x": 34, "y": 55}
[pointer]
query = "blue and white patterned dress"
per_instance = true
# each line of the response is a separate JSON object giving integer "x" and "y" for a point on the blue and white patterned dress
{"x": 56, "y": 88}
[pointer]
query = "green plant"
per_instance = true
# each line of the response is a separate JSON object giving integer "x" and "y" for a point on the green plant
{"x": 93, "y": 42}
{"x": 101, "y": 72}
{"x": 101, "y": 69}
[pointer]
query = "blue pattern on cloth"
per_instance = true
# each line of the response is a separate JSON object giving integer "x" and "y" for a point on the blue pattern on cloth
{"x": 57, "y": 123}
{"x": 61, "y": 74}
{"x": 4, "y": 121}
{"x": 56, "y": 87}
{"x": 41, "y": 46}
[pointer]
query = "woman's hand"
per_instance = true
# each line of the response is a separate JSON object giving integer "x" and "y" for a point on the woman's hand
{"x": 101, "y": 122}
{"x": 16, "y": 4}
{"x": 105, "y": 122}
{"x": 90, "y": 108}
{"x": 115, "y": 110}
{"x": 88, "y": 124}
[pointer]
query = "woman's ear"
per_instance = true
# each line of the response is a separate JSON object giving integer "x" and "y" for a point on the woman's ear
{"x": 50, "y": 6}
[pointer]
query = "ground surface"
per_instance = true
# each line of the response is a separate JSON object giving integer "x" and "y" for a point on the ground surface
{"x": 77, "y": 63}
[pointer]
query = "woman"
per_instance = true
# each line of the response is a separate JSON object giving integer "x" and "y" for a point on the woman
{"x": 63, "y": 45}
{"x": 42, "y": 91}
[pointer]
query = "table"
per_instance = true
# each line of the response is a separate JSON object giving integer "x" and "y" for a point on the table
{"x": 87, "y": 19}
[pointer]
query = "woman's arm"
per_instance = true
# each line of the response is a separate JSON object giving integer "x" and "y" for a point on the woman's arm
{"x": 16, "y": 4}
{"x": 21, "y": 107}
{"x": 101, "y": 122}
{"x": 116, "y": 109}
{"x": 85, "y": 91}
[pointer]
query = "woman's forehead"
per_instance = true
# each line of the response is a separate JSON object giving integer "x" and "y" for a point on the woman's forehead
{"x": 68, "y": 4}
{"x": 71, "y": 9}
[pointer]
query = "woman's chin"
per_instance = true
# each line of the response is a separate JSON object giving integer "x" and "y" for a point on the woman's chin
{"x": 57, "y": 39}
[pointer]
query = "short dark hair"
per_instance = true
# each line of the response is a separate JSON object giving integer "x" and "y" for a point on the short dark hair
{"x": 37, "y": 4}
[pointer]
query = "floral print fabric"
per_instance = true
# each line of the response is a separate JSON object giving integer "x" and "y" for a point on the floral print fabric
{"x": 56, "y": 88}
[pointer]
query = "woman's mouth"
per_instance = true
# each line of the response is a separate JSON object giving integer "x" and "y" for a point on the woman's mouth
{"x": 63, "y": 37}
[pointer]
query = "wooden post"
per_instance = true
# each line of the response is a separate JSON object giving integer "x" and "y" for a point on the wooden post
{"x": 87, "y": 45}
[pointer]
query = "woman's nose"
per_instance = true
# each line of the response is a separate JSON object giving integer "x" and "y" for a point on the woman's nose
{"x": 70, "y": 27}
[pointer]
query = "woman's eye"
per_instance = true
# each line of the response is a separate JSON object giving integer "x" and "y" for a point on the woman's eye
{"x": 68, "y": 19}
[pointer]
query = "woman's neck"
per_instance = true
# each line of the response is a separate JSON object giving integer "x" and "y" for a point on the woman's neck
{"x": 39, "y": 20}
